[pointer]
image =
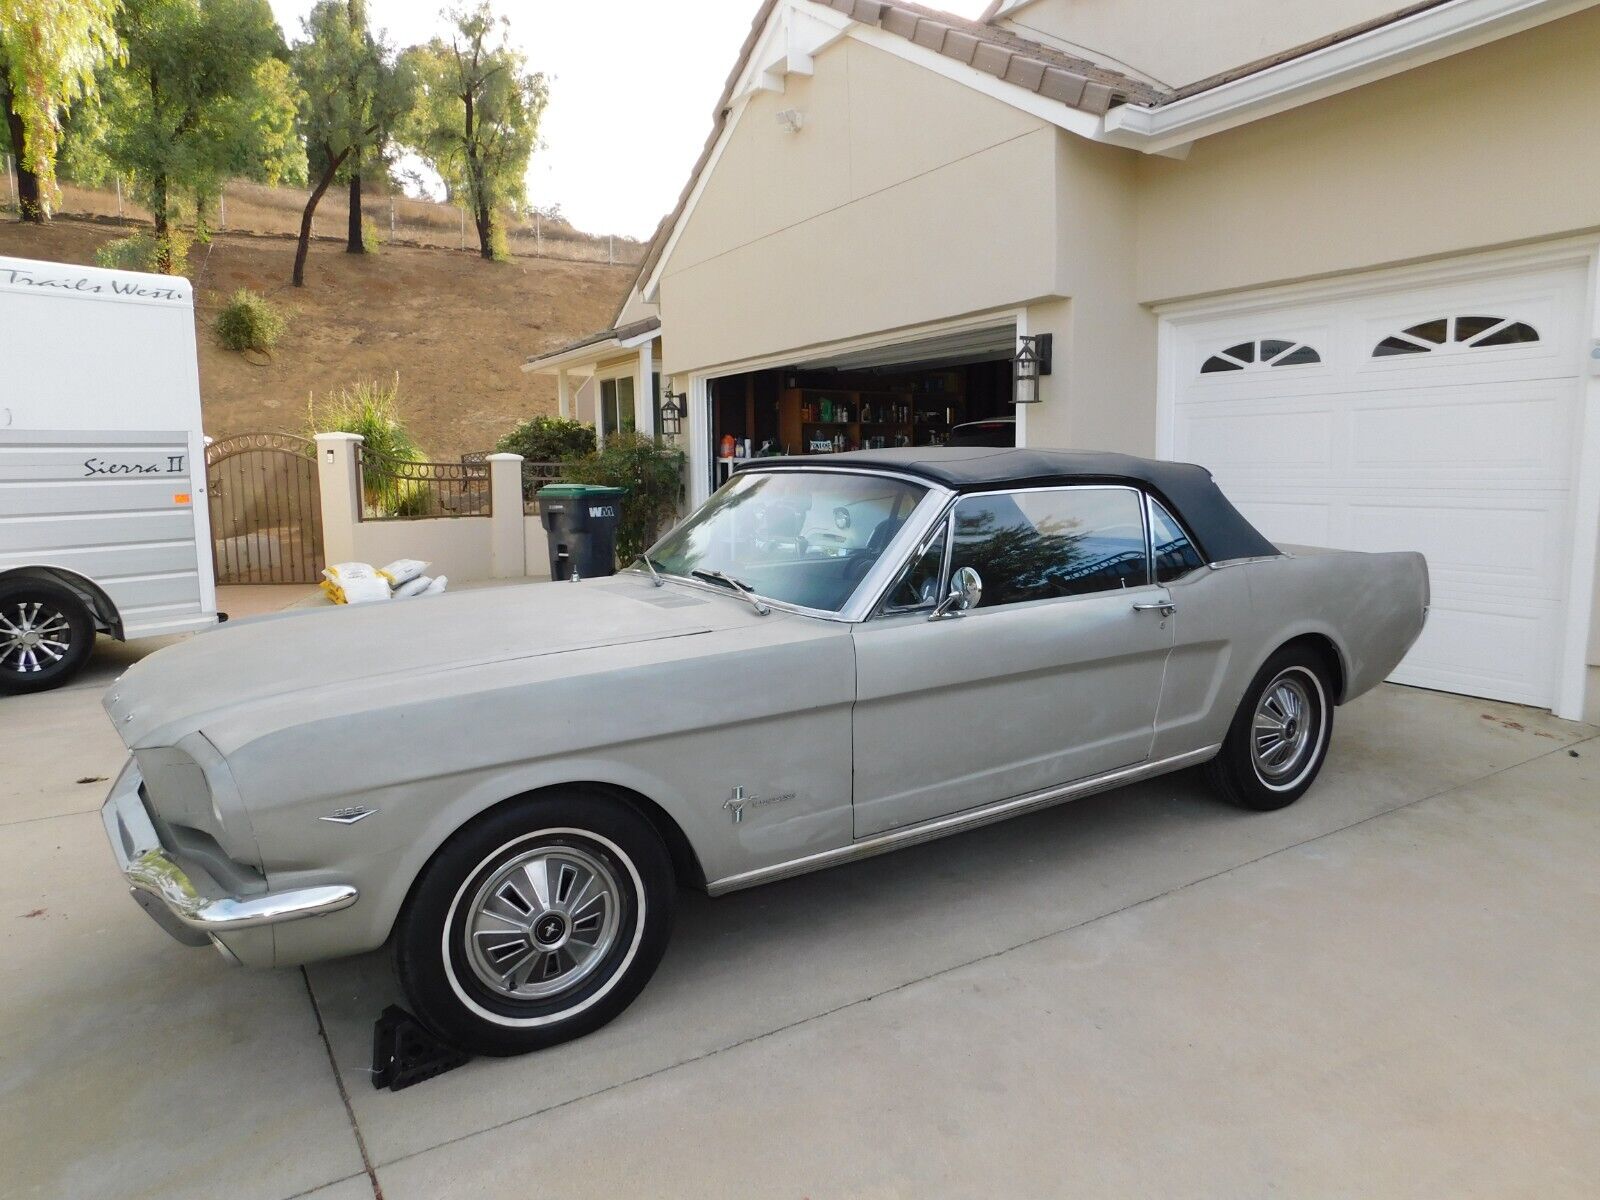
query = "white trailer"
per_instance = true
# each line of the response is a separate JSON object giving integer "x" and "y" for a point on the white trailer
{"x": 103, "y": 515}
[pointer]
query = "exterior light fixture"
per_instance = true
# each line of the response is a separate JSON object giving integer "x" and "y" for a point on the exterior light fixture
{"x": 674, "y": 407}
{"x": 1031, "y": 364}
{"x": 792, "y": 120}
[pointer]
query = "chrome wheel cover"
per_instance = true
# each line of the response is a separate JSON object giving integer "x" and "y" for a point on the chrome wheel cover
{"x": 34, "y": 636}
{"x": 1286, "y": 730}
{"x": 542, "y": 922}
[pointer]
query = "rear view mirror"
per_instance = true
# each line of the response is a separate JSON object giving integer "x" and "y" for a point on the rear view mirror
{"x": 966, "y": 590}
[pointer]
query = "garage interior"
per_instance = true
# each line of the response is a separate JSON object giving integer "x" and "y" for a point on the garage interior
{"x": 910, "y": 394}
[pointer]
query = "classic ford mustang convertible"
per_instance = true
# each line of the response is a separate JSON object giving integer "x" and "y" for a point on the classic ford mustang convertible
{"x": 829, "y": 659}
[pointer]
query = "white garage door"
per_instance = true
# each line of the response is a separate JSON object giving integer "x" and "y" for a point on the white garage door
{"x": 1441, "y": 419}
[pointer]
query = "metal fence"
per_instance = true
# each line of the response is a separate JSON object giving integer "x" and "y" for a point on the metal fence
{"x": 394, "y": 489}
{"x": 536, "y": 475}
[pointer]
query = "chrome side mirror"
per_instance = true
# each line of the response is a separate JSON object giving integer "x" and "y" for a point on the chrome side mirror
{"x": 966, "y": 589}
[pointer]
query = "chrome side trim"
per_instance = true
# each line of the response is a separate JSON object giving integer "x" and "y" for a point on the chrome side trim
{"x": 149, "y": 869}
{"x": 895, "y": 839}
{"x": 1244, "y": 562}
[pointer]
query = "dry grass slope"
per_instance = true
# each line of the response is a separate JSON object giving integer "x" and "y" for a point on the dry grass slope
{"x": 456, "y": 328}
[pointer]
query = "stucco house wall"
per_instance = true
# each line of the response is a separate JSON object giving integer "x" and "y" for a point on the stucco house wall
{"x": 1490, "y": 147}
{"x": 905, "y": 198}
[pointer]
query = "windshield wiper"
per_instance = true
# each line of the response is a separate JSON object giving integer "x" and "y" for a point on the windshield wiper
{"x": 743, "y": 589}
{"x": 650, "y": 566}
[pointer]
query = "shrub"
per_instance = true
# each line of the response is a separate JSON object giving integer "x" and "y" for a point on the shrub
{"x": 499, "y": 246}
{"x": 548, "y": 439}
{"x": 653, "y": 475}
{"x": 373, "y": 411}
{"x": 249, "y": 321}
{"x": 371, "y": 238}
{"x": 168, "y": 255}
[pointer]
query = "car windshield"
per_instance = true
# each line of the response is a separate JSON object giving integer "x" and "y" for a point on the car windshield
{"x": 806, "y": 538}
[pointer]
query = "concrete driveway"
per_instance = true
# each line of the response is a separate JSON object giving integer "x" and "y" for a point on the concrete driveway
{"x": 1388, "y": 989}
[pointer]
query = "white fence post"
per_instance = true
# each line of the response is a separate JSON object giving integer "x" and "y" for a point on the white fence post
{"x": 508, "y": 555}
{"x": 463, "y": 242}
{"x": 611, "y": 249}
{"x": 538, "y": 233}
{"x": 340, "y": 485}
{"x": 119, "y": 197}
{"x": 222, "y": 209}
{"x": 11, "y": 178}
{"x": 391, "y": 218}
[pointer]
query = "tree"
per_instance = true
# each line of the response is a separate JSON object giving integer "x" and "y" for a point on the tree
{"x": 477, "y": 114}
{"x": 195, "y": 103}
{"x": 352, "y": 93}
{"x": 355, "y": 237}
{"x": 49, "y": 53}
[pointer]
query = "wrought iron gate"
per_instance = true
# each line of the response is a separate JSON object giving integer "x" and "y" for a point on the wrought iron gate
{"x": 266, "y": 511}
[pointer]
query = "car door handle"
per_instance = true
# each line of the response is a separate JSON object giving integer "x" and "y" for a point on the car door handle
{"x": 1165, "y": 607}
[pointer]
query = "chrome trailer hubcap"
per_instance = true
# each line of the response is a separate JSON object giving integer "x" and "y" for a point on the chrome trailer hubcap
{"x": 543, "y": 922}
{"x": 33, "y": 636}
{"x": 1285, "y": 729}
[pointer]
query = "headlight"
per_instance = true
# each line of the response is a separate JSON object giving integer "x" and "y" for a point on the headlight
{"x": 189, "y": 786}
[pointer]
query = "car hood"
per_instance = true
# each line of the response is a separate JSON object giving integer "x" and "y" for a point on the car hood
{"x": 171, "y": 692}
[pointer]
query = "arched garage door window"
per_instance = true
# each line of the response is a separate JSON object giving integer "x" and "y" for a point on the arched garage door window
{"x": 1260, "y": 355}
{"x": 1456, "y": 333}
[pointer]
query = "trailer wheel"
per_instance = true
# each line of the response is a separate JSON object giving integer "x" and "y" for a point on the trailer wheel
{"x": 46, "y": 634}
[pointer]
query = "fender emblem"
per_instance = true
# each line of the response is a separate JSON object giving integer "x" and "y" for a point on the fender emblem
{"x": 348, "y": 816}
{"x": 735, "y": 804}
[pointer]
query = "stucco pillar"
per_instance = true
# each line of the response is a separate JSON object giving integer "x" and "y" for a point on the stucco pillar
{"x": 339, "y": 487}
{"x": 563, "y": 394}
{"x": 507, "y": 541}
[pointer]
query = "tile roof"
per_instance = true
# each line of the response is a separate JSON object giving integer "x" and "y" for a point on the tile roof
{"x": 1028, "y": 64}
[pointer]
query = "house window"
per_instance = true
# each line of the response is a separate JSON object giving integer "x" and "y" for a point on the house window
{"x": 616, "y": 404}
{"x": 1459, "y": 333}
{"x": 1268, "y": 352}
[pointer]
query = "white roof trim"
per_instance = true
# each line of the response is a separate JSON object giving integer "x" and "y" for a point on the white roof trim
{"x": 586, "y": 356}
{"x": 1386, "y": 50}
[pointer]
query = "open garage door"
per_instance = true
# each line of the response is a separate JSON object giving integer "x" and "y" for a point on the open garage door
{"x": 923, "y": 392}
{"x": 1440, "y": 419}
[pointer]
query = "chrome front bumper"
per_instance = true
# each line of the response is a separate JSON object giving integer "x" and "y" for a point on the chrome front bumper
{"x": 164, "y": 890}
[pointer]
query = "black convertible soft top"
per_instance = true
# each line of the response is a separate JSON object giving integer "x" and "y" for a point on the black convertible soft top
{"x": 1188, "y": 490}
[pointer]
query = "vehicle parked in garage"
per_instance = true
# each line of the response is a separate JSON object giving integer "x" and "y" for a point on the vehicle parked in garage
{"x": 509, "y": 783}
{"x": 103, "y": 520}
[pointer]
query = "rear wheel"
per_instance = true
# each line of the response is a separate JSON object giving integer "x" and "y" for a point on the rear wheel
{"x": 535, "y": 924}
{"x": 46, "y": 634}
{"x": 1279, "y": 737}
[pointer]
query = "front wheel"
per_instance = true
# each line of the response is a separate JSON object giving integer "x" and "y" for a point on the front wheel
{"x": 1279, "y": 737}
{"x": 535, "y": 924}
{"x": 46, "y": 634}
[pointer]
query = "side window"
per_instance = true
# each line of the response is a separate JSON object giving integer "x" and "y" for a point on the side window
{"x": 1033, "y": 545}
{"x": 1174, "y": 553}
{"x": 919, "y": 586}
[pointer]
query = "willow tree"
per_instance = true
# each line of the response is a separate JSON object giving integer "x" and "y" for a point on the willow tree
{"x": 477, "y": 115}
{"x": 50, "y": 51}
{"x": 352, "y": 93}
{"x": 195, "y": 102}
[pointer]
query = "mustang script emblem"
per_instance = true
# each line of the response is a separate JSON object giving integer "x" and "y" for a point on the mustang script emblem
{"x": 736, "y": 803}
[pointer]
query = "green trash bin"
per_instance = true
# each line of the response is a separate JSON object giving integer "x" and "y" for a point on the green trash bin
{"x": 580, "y": 528}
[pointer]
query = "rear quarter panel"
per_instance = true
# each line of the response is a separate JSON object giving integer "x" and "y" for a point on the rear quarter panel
{"x": 1232, "y": 618}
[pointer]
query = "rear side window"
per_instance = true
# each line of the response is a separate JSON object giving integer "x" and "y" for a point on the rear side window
{"x": 1175, "y": 554}
{"x": 1035, "y": 545}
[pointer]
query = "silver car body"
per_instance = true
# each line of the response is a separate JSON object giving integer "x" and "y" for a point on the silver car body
{"x": 309, "y": 765}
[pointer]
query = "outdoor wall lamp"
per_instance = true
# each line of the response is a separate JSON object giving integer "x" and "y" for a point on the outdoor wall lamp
{"x": 674, "y": 407}
{"x": 1031, "y": 364}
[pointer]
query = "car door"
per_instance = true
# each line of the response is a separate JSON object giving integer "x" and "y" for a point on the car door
{"x": 1054, "y": 676}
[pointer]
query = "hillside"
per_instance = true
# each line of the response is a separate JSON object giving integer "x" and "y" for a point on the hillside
{"x": 455, "y": 328}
